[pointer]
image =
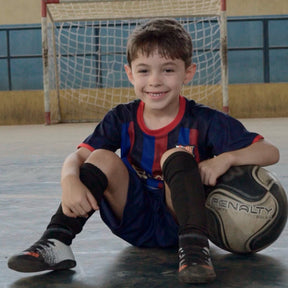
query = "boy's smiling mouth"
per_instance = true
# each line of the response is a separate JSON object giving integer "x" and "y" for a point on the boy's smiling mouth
{"x": 156, "y": 94}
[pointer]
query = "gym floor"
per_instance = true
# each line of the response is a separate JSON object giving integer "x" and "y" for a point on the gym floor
{"x": 30, "y": 163}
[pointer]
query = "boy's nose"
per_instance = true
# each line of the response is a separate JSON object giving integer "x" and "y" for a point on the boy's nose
{"x": 155, "y": 79}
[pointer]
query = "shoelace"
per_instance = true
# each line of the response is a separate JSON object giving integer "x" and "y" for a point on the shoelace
{"x": 40, "y": 245}
{"x": 194, "y": 254}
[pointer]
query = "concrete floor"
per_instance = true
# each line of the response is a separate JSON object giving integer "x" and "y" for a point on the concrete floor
{"x": 30, "y": 162}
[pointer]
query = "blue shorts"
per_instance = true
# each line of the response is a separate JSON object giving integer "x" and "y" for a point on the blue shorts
{"x": 146, "y": 221}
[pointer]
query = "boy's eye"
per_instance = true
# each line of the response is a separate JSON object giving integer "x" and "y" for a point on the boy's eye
{"x": 169, "y": 70}
{"x": 142, "y": 71}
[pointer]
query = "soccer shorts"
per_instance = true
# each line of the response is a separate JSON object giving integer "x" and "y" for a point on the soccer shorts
{"x": 146, "y": 220}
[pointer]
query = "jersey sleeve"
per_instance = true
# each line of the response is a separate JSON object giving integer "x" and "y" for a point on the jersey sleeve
{"x": 226, "y": 133}
{"x": 107, "y": 134}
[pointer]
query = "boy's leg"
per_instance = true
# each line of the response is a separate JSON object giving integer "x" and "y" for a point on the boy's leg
{"x": 185, "y": 193}
{"x": 64, "y": 228}
{"x": 52, "y": 251}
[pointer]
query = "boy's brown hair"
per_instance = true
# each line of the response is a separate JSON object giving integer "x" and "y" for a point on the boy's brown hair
{"x": 165, "y": 35}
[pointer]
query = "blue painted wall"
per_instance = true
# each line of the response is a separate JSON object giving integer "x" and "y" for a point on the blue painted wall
{"x": 257, "y": 53}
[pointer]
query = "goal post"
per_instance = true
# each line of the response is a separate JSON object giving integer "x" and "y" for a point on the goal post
{"x": 84, "y": 52}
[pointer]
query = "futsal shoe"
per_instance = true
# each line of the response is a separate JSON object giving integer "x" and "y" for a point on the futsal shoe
{"x": 45, "y": 254}
{"x": 195, "y": 264}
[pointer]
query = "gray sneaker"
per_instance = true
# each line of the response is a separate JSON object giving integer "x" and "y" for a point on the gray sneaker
{"x": 45, "y": 254}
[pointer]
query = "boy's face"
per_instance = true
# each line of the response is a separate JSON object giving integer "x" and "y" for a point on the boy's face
{"x": 158, "y": 80}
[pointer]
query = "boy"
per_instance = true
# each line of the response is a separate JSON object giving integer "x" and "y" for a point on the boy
{"x": 153, "y": 196}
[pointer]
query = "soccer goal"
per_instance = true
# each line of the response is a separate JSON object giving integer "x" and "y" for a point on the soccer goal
{"x": 84, "y": 52}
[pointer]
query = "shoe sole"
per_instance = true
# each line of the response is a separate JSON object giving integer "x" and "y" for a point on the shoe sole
{"x": 25, "y": 265}
{"x": 196, "y": 275}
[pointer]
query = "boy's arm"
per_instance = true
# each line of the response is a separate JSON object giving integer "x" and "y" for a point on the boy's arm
{"x": 77, "y": 200}
{"x": 261, "y": 153}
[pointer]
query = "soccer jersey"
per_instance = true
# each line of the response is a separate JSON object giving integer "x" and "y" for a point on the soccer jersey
{"x": 203, "y": 131}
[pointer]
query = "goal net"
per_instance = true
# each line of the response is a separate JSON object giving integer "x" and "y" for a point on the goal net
{"x": 84, "y": 52}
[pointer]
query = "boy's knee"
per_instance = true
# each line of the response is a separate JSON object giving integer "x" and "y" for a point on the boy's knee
{"x": 178, "y": 161}
{"x": 101, "y": 156}
{"x": 112, "y": 166}
{"x": 167, "y": 154}
{"x": 109, "y": 162}
{"x": 179, "y": 154}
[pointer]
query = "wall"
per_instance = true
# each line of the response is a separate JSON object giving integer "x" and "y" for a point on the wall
{"x": 256, "y": 7}
{"x": 29, "y": 11}
{"x": 20, "y": 12}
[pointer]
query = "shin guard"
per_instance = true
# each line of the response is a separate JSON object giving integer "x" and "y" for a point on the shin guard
{"x": 181, "y": 173}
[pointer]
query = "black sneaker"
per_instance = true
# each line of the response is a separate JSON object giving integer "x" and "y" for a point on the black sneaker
{"x": 195, "y": 264}
{"x": 45, "y": 254}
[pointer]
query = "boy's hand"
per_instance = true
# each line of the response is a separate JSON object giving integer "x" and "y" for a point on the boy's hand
{"x": 260, "y": 153}
{"x": 77, "y": 200}
{"x": 211, "y": 169}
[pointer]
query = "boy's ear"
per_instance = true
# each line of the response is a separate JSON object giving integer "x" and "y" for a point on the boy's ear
{"x": 190, "y": 72}
{"x": 128, "y": 71}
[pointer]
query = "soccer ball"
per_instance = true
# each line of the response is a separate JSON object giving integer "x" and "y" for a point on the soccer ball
{"x": 246, "y": 210}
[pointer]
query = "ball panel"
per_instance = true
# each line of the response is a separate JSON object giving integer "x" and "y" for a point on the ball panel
{"x": 240, "y": 178}
{"x": 271, "y": 233}
{"x": 246, "y": 210}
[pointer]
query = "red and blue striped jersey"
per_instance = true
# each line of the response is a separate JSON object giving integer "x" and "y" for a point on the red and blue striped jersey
{"x": 205, "y": 131}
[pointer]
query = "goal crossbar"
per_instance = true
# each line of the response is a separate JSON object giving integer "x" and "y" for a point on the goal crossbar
{"x": 115, "y": 10}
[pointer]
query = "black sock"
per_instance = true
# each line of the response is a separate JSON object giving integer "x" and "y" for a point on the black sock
{"x": 94, "y": 179}
{"x": 193, "y": 239}
{"x": 180, "y": 171}
{"x": 64, "y": 228}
